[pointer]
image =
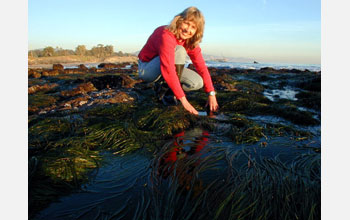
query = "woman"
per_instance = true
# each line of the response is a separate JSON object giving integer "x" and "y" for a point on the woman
{"x": 162, "y": 60}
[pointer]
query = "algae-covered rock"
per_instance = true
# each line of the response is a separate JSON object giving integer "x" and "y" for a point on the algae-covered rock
{"x": 83, "y": 88}
{"x": 117, "y": 97}
{"x": 41, "y": 100}
{"x": 73, "y": 71}
{"x": 113, "y": 81}
{"x": 45, "y": 87}
{"x": 58, "y": 67}
{"x": 34, "y": 73}
{"x": 310, "y": 99}
{"x": 50, "y": 73}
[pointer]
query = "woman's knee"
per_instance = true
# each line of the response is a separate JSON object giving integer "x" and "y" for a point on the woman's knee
{"x": 198, "y": 84}
{"x": 150, "y": 71}
{"x": 191, "y": 80}
{"x": 191, "y": 87}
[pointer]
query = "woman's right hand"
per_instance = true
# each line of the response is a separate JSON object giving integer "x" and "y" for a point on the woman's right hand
{"x": 188, "y": 106}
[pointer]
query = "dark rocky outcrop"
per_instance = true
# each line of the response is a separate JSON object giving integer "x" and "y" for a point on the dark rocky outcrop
{"x": 83, "y": 88}
{"x": 83, "y": 68}
{"x": 58, "y": 67}
{"x": 114, "y": 81}
{"x": 112, "y": 65}
{"x": 311, "y": 85}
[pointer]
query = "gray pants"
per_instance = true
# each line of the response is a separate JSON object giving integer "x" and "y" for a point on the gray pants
{"x": 150, "y": 71}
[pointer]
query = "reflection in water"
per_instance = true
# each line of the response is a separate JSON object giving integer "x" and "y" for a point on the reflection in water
{"x": 183, "y": 174}
{"x": 124, "y": 187}
{"x": 180, "y": 153}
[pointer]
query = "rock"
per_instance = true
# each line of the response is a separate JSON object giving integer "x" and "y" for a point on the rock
{"x": 102, "y": 70}
{"x": 93, "y": 69}
{"x": 42, "y": 112}
{"x": 83, "y": 68}
{"x": 311, "y": 85}
{"x": 82, "y": 102}
{"x": 58, "y": 67}
{"x": 45, "y": 87}
{"x": 76, "y": 102}
{"x": 118, "y": 97}
{"x": 114, "y": 81}
{"x": 73, "y": 71}
{"x": 223, "y": 82}
{"x": 50, "y": 73}
{"x": 268, "y": 70}
{"x": 32, "y": 109}
{"x": 104, "y": 93}
{"x": 83, "y": 88}
{"x": 34, "y": 73}
{"x": 295, "y": 71}
{"x": 128, "y": 82}
{"x": 112, "y": 65}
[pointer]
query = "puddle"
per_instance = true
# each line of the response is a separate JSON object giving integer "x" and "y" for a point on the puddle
{"x": 217, "y": 116}
{"x": 201, "y": 113}
{"x": 115, "y": 188}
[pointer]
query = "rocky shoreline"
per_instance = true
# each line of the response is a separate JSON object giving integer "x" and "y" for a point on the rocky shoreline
{"x": 74, "y": 114}
{"x": 101, "y": 85}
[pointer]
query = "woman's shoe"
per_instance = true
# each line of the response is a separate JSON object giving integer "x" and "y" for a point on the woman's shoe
{"x": 162, "y": 90}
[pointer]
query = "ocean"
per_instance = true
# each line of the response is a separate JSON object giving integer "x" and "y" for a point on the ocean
{"x": 243, "y": 65}
{"x": 240, "y": 65}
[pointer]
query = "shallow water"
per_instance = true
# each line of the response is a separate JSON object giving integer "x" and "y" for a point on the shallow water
{"x": 281, "y": 94}
{"x": 154, "y": 186}
{"x": 246, "y": 65}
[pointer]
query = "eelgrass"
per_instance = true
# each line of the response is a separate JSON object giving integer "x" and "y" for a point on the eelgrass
{"x": 261, "y": 188}
{"x": 67, "y": 146}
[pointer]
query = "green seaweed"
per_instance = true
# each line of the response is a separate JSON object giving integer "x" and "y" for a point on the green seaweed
{"x": 41, "y": 100}
{"x": 66, "y": 146}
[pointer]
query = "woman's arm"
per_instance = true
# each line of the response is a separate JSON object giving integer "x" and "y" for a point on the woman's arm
{"x": 202, "y": 69}
{"x": 167, "y": 44}
{"x": 199, "y": 63}
{"x": 188, "y": 105}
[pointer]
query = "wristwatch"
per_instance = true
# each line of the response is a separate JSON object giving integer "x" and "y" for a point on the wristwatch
{"x": 212, "y": 93}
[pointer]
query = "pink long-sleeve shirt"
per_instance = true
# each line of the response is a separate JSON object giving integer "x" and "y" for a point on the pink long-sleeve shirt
{"x": 162, "y": 43}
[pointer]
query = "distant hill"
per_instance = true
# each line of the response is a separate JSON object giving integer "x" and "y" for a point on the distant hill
{"x": 208, "y": 57}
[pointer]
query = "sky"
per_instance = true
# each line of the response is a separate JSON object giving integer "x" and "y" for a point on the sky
{"x": 276, "y": 31}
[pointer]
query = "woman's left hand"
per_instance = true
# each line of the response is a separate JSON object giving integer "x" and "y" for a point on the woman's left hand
{"x": 213, "y": 104}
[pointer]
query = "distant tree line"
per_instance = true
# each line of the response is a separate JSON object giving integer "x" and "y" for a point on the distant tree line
{"x": 98, "y": 51}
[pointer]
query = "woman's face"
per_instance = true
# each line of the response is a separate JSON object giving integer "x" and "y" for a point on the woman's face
{"x": 187, "y": 29}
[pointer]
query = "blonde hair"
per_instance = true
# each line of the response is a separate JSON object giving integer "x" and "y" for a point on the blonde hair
{"x": 189, "y": 14}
